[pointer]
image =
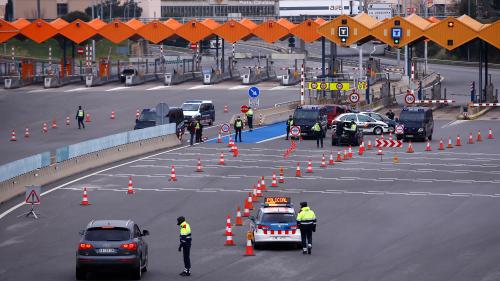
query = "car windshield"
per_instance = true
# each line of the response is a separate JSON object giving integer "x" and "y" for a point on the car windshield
{"x": 305, "y": 114}
{"x": 148, "y": 116}
{"x": 278, "y": 218}
{"x": 190, "y": 106}
{"x": 128, "y": 71}
{"x": 408, "y": 116}
{"x": 107, "y": 234}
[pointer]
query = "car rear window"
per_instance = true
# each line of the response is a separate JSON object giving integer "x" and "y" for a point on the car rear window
{"x": 306, "y": 114}
{"x": 148, "y": 116}
{"x": 412, "y": 116}
{"x": 107, "y": 234}
{"x": 278, "y": 218}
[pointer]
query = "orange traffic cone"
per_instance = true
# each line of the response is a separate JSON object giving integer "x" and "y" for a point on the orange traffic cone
{"x": 441, "y": 144}
{"x": 297, "y": 171}
{"x": 346, "y": 156}
{"x": 173, "y": 177}
{"x": 428, "y": 146}
{"x": 229, "y": 238}
{"x": 479, "y": 136}
{"x": 239, "y": 220}
{"x": 459, "y": 142}
{"x": 282, "y": 175}
{"x": 219, "y": 138}
{"x": 45, "y": 128}
{"x": 490, "y": 134}
{"x": 235, "y": 151}
{"x": 249, "y": 247}
{"x": 274, "y": 182}
{"x": 198, "y": 167}
{"x": 339, "y": 157}
{"x": 330, "y": 161}
{"x": 390, "y": 136}
{"x": 27, "y": 132}
{"x": 323, "y": 161}
{"x": 259, "y": 187}
{"x": 13, "y": 136}
{"x": 85, "y": 198}
{"x": 67, "y": 121}
{"x": 226, "y": 109}
{"x": 263, "y": 183}
{"x": 254, "y": 194}
{"x": 309, "y": 167}
{"x": 231, "y": 142}
{"x": 369, "y": 144}
{"x": 112, "y": 115}
{"x": 449, "y": 143}
{"x": 361, "y": 148}
{"x": 379, "y": 151}
{"x": 395, "y": 159}
{"x": 87, "y": 118}
{"x": 248, "y": 202}
{"x": 259, "y": 192}
{"x": 130, "y": 189}
{"x": 410, "y": 148}
{"x": 246, "y": 212}
{"x": 54, "y": 124}
{"x": 137, "y": 114}
{"x": 221, "y": 160}
{"x": 349, "y": 152}
{"x": 228, "y": 225}
{"x": 471, "y": 139}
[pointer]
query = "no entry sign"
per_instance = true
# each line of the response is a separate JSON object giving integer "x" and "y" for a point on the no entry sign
{"x": 399, "y": 129}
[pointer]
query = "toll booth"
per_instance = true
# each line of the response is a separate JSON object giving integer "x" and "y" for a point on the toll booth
{"x": 145, "y": 70}
{"x": 256, "y": 74}
{"x": 106, "y": 72}
{"x": 179, "y": 70}
{"x": 57, "y": 75}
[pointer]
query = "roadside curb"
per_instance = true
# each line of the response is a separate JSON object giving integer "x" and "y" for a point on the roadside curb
{"x": 475, "y": 115}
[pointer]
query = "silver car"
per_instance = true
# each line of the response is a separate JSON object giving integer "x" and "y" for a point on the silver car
{"x": 368, "y": 124}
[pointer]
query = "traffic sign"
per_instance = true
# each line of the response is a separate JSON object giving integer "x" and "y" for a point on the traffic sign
{"x": 244, "y": 108}
{"x": 354, "y": 97}
{"x": 253, "y": 92}
{"x": 388, "y": 143}
{"x": 193, "y": 46}
{"x": 323, "y": 86}
{"x": 362, "y": 85}
{"x": 80, "y": 51}
{"x": 339, "y": 86}
{"x": 32, "y": 195}
{"x": 224, "y": 127}
{"x": 399, "y": 129}
{"x": 409, "y": 98}
{"x": 295, "y": 131}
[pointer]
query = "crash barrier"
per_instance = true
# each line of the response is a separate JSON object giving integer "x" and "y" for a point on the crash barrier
{"x": 38, "y": 170}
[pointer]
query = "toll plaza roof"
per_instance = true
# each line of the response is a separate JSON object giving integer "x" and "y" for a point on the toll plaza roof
{"x": 449, "y": 33}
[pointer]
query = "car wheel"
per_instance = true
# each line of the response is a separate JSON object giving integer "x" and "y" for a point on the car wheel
{"x": 137, "y": 271}
{"x": 81, "y": 274}
{"x": 378, "y": 131}
{"x": 145, "y": 268}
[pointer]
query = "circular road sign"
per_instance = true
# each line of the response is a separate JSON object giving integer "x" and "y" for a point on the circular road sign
{"x": 399, "y": 129}
{"x": 410, "y": 98}
{"x": 339, "y": 86}
{"x": 295, "y": 131}
{"x": 323, "y": 86}
{"x": 314, "y": 85}
{"x": 253, "y": 92}
{"x": 224, "y": 127}
{"x": 354, "y": 97}
{"x": 80, "y": 51}
{"x": 244, "y": 108}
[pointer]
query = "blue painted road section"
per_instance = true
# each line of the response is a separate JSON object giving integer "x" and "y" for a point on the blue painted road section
{"x": 258, "y": 134}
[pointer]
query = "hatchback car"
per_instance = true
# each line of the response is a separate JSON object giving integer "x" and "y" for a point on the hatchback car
{"x": 368, "y": 124}
{"x": 112, "y": 244}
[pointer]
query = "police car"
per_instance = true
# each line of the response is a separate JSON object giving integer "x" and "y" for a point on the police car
{"x": 275, "y": 223}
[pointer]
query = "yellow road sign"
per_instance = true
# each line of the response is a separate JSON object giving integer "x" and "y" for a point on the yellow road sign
{"x": 362, "y": 85}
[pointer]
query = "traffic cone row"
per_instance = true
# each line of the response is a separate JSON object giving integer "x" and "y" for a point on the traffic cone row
{"x": 346, "y": 156}
{"x": 490, "y": 134}
{"x": 228, "y": 225}
{"x": 471, "y": 139}
{"x": 458, "y": 142}
{"x": 449, "y": 143}
{"x": 235, "y": 151}
{"x": 339, "y": 157}
{"x": 263, "y": 183}
{"x": 479, "y": 136}
{"x": 249, "y": 247}
{"x": 441, "y": 144}
{"x": 27, "y": 132}
{"x": 231, "y": 142}
{"x": 361, "y": 148}
{"x": 229, "y": 233}
{"x": 349, "y": 152}
{"x": 369, "y": 144}
{"x": 239, "y": 220}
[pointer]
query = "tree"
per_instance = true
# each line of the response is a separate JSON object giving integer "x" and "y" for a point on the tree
{"x": 76, "y": 15}
{"x": 126, "y": 10}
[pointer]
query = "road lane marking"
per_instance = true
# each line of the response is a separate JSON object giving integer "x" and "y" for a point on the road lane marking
{"x": 199, "y": 87}
{"x": 77, "y": 89}
{"x": 238, "y": 87}
{"x": 278, "y": 88}
{"x": 118, "y": 88}
{"x": 161, "y": 87}
{"x": 38, "y": 91}
{"x": 273, "y": 138}
{"x": 454, "y": 123}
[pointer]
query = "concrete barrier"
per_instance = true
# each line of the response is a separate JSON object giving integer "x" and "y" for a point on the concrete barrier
{"x": 16, "y": 186}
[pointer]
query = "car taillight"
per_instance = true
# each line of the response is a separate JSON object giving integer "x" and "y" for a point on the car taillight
{"x": 84, "y": 246}
{"x": 293, "y": 227}
{"x": 129, "y": 246}
{"x": 260, "y": 226}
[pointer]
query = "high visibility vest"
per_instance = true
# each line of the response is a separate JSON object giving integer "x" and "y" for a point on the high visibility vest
{"x": 238, "y": 123}
{"x": 316, "y": 127}
{"x": 290, "y": 122}
{"x": 306, "y": 216}
{"x": 353, "y": 127}
{"x": 80, "y": 113}
{"x": 185, "y": 229}
{"x": 197, "y": 127}
{"x": 250, "y": 113}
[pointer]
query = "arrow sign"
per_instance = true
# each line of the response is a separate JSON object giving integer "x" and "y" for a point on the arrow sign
{"x": 253, "y": 92}
{"x": 388, "y": 143}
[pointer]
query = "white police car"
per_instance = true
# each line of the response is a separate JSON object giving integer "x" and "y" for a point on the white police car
{"x": 275, "y": 223}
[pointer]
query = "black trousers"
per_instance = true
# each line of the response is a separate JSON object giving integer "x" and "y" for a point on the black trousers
{"x": 186, "y": 252}
{"x": 80, "y": 123}
{"x": 287, "y": 131}
{"x": 319, "y": 139}
{"x": 198, "y": 135}
{"x": 306, "y": 237}
{"x": 250, "y": 122}
{"x": 238, "y": 133}
{"x": 191, "y": 138}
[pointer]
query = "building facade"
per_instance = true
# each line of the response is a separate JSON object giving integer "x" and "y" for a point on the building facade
{"x": 49, "y": 9}
{"x": 217, "y": 8}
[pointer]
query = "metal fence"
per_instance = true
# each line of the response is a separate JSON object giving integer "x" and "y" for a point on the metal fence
{"x": 25, "y": 165}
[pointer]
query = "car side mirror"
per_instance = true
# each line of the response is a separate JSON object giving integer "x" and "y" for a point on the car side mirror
{"x": 252, "y": 218}
{"x": 81, "y": 232}
{"x": 145, "y": 232}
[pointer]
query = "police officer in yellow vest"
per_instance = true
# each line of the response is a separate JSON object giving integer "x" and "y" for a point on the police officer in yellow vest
{"x": 238, "y": 126}
{"x": 198, "y": 129}
{"x": 249, "y": 115}
{"x": 185, "y": 245}
{"x": 306, "y": 220}
{"x": 318, "y": 133}
{"x": 80, "y": 115}
{"x": 289, "y": 123}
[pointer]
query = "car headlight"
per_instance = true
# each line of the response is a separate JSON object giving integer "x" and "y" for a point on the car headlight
{"x": 420, "y": 130}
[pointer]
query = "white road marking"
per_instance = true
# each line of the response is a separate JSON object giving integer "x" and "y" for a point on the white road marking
{"x": 277, "y": 137}
{"x": 454, "y": 123}
{"x": 278, "y": 88}
{"x": 117, "y": 89}
{"x": 38, "y": 91}
{"x": 77, "y": 89}
{"x": 238, "y": 87}
{"x": 161, "y": 87}
{"x": 199, "y": 87}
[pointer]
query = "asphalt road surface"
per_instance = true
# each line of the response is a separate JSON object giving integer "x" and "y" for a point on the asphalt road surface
{"x": 429, "y": 217}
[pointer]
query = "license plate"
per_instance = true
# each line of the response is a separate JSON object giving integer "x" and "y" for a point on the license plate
{"x": 106, "y": 251}
{"x": 280, "y": 237}
{"x": 409, "y": 136}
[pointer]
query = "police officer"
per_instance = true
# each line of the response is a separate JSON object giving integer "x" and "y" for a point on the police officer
{"x": 390, "y": 114}
{"x": 185, "y": 244}
{"x": 352, "y": 128}
{"x": 238, "y": 126}
{"x": 192, "y": 131}
{"x": 339, "y": 129}
{"x": 80, "y": 115}
{"x": 289, "y": 124}
{"x": 318, "y": 133}
{"x": 198, "y": 129}
{"x": 249, "y": 115}
{"x": 306, "y": 220}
